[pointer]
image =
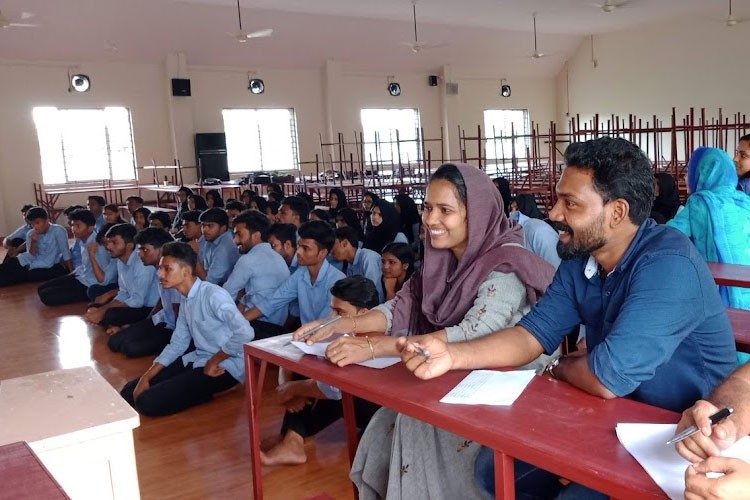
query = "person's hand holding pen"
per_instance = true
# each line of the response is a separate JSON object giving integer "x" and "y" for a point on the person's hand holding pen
{"x": 700, "y": 484}
{"x": 711, "y": 440}
{"x": 426, "y": 355}
{"x": 306, "y": 333}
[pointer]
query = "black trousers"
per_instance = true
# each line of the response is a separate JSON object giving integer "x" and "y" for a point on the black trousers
{"x": 143, "y": 338}
{"x": 62, "y": 290}
{"x": 321, "y": 413}
{"x": 264, "y": 329}
{"x": 118, "y": 316}
{"x": 176, "y": 388}
{"x": 13, "y": 273}
{"x": 95, "y": 290}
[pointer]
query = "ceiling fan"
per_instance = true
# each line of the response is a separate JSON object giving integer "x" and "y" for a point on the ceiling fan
{"x": 9, "y": 23}
{"x": 416, "y": 45}
{"x": 609, "y": 5}
{"x": 731, "y": 20}
{"x": 242, "y": 36}
{"x": 536, "y": 54}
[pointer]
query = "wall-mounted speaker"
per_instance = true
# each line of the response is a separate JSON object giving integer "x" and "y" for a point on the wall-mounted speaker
{"x": 180, "y": 87}
{"x": 432, "y": 80}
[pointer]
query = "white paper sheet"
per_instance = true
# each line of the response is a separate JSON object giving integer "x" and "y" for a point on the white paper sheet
{"x": 488, "y": 387}
{"x": 647, "y": 444}
{"x": 319, "y": 349}
{"x": 279, "y": 345}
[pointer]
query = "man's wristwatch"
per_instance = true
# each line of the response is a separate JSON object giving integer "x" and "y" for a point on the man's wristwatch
{"x": 550, "y": 368}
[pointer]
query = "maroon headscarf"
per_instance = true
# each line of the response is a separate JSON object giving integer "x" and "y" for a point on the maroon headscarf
{"x": 441, "y": 293}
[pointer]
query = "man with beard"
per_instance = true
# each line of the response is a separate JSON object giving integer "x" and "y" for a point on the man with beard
{"x": 656, "y": 329}
{"x": 258, "y": 272}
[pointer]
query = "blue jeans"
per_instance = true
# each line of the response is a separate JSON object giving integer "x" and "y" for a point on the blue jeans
{"x": 532, "y": 483}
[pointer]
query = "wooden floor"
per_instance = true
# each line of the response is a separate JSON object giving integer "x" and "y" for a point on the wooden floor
{"x": 202, "y": 453}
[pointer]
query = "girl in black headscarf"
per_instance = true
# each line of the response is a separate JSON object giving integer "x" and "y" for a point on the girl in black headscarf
{"x": 214, "y": 199}
{"x": 504, "y": 187}
{"x": 368, "y": 201}
{"x": 410, "y": 217}
{"x": 348, "y": 217}
{"x": 667, "y": 199}
{"x": 336, "y": 201}
{"x": 385, "y": 226}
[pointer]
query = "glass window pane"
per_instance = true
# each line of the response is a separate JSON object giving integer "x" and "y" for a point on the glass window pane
{"x": 260, "y": 139}
{"x": 391, "y": 135}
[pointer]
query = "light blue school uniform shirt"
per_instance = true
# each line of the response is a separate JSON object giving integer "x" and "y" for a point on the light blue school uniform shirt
{"x": 294, "y": 306}
{"x": 100, "y": 223}
{"x": 368, "y": 263}
{"x": 169, "y": 297}
{"x": 540, "y": 238}
{"x": 20, "y": 232}
{"x": 51, "y": 247}
{"x": 75, "y": 253}
{"x": 314, "y": 298}
{"x": 218, "y": 257}
{"x": 259, "y": 272}
{"x": 85, "y": 273}
{"x": 138, "y": 283}
{"x": 209, "y": 317}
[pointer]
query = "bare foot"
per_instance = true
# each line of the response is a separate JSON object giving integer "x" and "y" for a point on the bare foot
{"x": 269, "y": 442}
{"x": 290, "y": 451}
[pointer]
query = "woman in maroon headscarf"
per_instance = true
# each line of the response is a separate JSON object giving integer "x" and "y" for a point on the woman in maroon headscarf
{"x": 476, "y": 278}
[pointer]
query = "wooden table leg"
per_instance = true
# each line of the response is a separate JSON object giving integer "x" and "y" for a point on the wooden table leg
{"x": 352, "y": 437}
{"x": 252, "y": 418}
{"x": 505, "y": 488}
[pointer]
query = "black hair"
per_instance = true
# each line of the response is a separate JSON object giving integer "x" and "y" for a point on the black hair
{"x": 112, "y": 208}
{"x": 298, "y": 206}
{"x": 505, "y": 193}
{"x": 321, "y": 214}
{"x": 260, "y": 202}
{"x": 217, "y": 215}
{"x": 162, "y": 217}
{"x": 372, "y": 195}
{"x": 745, "y": 138}
{"x": 620, "y": 169}
{"x": 273, "y": 206}
{"x": 82, "y": 215}
{"x": 154, "y": 236}
{"x": 234, "y": 205}
{"x": 182, "y": 252}
{"x": 255, "y": 222}
{"x": 351, "y": 219}
{"x": 275, "y": 196}
{"x": 307, "y": 198}
{"x": 191, "y": 216}
{"x": 69, "y": 210}
{"x": 275, "y": 187}
{"x": 101, "y": 236}
{"x": 216, "y": 195}
{"x": 449, "y": 172}
{"x": 186, "y": 190}
{"x": 136, "y": 199}
{"x": 284, "y": 233}
{"x": 340, "y": 196}
{"x": 98, "y": 199}
{"x": 318, "y": 231}
{"x": 200, "y": 202}
{"x": 35, "y": 213}
{"x": 349, "y": 234}
{"x": 356, "y": 290}
{"x": 250, "y": 193}
{"x": 125, "y": 231}
{"x": 404, "y": 254}
{"x": 144, "y": 211}
{"x": 26, "y": 208}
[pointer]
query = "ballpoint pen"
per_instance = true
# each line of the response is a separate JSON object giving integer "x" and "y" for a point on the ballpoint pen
{"x": 307, "y": 334}
{"x": 422, "y": 352}
{"x": 693, "y": 429}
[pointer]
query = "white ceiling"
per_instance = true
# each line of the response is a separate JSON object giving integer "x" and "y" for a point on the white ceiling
{"x": 482, "y": 36}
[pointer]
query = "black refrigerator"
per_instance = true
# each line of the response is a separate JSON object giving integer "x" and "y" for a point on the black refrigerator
{"x": 211, "y": 156}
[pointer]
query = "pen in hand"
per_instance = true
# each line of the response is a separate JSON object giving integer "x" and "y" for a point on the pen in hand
{"x": 308, "y": 333}
{"x": 693, "y": 429}
{"x": 422, "y": 352}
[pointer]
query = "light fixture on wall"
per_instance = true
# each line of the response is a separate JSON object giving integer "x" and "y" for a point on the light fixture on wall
{"x": 393, "y": 87}
{"x": 79, "y": 82}
{"x": 504, "y": 88}
{"x": 256, "y": 86}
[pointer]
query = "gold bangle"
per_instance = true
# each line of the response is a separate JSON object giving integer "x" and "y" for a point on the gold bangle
{"x": 354, "y": 328}
{"x": 372, "y": 349}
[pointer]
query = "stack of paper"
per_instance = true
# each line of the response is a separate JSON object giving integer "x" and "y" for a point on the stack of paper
{"x": 487, "y": 387}
{"x": 319, "y": 349}
{"x": 279, "y": 345}
{"x": 648, "y": 445}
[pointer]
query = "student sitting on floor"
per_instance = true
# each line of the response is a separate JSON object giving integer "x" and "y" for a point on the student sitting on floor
{"x": 176, "y": 382}
{"x": 137, "y": 293}
{"x": 133, "y": 203}
{"x": 233, "y": 208}
{"x": 312, "y": 406}
{"x": 104, "y": 269}
{"x": 310, "y": 285}
{"x": 96, "y": 205}
{"x": 397, "y": 262}
{"x": 293, "y": 210}
{"x": 151, "y": 334}
{"x": 15, "y": 242}
{"x": 140, "y": 218}
{"x": 75, "y": 250}
{"x": 191, "y": 228}
{"x": 159, "y": 220}
{"x": 112, "y": 215}
{"x": 217, "y": 253}
{"x": 283, "y": 239}
{"x": 73, "y": 287}
{"x": 358, "y": 261}
{"x": 47, "y": 255}
{"x": 258, "y": 272}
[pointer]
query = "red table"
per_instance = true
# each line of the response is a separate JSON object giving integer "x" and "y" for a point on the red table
{"x": 730, "y": 274}
{"x": 740, "y": 320}
{"x": 22, "y": 475}
{"x": 552, "y": 425}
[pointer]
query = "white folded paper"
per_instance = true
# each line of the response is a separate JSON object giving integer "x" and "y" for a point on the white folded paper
{"x": 488, "y": 387}
{"x": 319, "y": 349}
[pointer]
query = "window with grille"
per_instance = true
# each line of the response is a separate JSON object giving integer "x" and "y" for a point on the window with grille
{"x": 500, "y": 126}
{"x": 391, "y": 136}
{"x": 85, "y": 144}
{"x": 261, "y": 139}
